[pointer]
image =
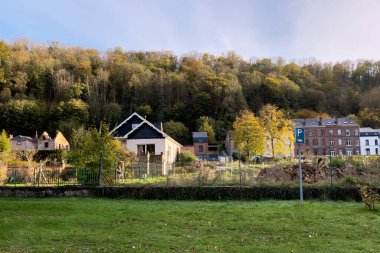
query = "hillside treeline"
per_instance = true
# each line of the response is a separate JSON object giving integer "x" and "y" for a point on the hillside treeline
{"x": 49, "y": 87}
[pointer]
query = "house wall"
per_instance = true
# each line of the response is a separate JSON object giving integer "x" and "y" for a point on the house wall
{"x": 60, "y": 142}
{"x": 41, "y": 144}
{"x": 172, "y": 149}
{"x": 317, "y": 140}
{"x": 201, "y": 154}
{"x": 24, "y": 145}
{"x": 188, "y": 148}
{"x": 371, "y": 145}
{"x": 131, "y": 145}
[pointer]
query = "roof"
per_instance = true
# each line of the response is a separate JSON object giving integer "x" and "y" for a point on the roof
{"x": 200, "y": 135}
{"x": 325, "y": 122}
{"x": 368, "y": 130}
{"x": 22, "y": 138}
{"x": 139, "y": 122}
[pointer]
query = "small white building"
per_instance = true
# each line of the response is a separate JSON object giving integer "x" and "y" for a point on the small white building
{"x": 140, "y": 136}
{"x": 369, "y": 141}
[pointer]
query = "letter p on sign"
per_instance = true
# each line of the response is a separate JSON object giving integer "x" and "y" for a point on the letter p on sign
{"x": 300, "y": 136}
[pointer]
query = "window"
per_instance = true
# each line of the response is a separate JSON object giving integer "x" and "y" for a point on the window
{"x": 332, "y": 152}
{"x": 322, "y": 132}
{"x": 315, "y": 151}
{"x": 307, "y": 142}
{"x": 340, "y": 142}
{"x": 357, "y": 151}
{"x": 376, "y": 151}
{"x": 46, "y": 144}
{"x": 315, "y": 142}
{"x": 357, "y": 143}
{"x": 141, "y": 149}
{"x": 324, "y": 151}
{"x": 376, "y": 142}
{"x": 323, "y": 142}
{"x": 314, "y": 132}
{"x": 340, "y": 152}
{"x": 306, "y": 132}
{"x": 348, "y": 142}
{"x": 348, "y": 132}
{"x": 200, "y": 148}
{"x": 367, "y": 142}
{"x": 331, "y": 142}
{"x": 349, "y": 152}
{"x": 367, "y": 151}
{"x": 151, "y": 148}
{"x": 356, "y": 132}
{"x": 331, "y": 132}
{"x": 339, "y": 132}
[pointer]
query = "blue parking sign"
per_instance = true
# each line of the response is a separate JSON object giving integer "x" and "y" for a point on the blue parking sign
{"x": 300, "y": 136}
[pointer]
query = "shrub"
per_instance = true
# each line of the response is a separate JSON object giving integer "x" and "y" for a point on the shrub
{"x": 185, "y": 157}
{"x": 337, "y": 162}
{"x": 369, "y": 196}
{"x": 350, "y": 181}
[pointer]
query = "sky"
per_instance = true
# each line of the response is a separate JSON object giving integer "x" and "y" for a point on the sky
{"x": 327, "y": 30}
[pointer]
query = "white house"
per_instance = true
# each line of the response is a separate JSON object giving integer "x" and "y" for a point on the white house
{"x": 140, "y": 136}
{"x": 369, "y": 141}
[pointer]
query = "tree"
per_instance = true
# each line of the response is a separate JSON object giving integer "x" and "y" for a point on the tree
{"x": 248, "y": 134}
{"x": 176, "y": 129}
{"x": 276, "y": 127}
{"x": 5, "y": 142}
{"x": 94, "y": 146}
{"x": 205, "y": 126}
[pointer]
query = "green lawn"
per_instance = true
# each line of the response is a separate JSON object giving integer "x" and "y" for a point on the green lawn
{"x": 106, "y": 225}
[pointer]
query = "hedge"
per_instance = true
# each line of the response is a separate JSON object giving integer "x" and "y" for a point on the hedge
{"x": 190, "y": 193}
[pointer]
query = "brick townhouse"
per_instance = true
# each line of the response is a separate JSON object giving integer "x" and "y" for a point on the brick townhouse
{"x": 335, "y": 136}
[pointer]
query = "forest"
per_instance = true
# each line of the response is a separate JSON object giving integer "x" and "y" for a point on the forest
{"x": 50, "y": 87}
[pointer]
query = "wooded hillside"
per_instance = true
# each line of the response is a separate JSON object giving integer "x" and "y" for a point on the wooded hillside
{"x": 57, "y": 87}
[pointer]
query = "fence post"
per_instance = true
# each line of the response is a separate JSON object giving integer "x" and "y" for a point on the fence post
{"x": 100, "y": 168}
{"x": 39, "y": 176}
{"x": 167, "y": 175}
{"x": 147, "y": 163}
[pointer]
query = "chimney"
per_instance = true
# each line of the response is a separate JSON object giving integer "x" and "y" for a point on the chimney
{"x": 336, "y": 120}
{"x": 320, "y": 122}
{"x": 304, "y": 122}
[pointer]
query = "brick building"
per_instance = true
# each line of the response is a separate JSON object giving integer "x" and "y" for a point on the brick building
{"x": 335, "y": 136}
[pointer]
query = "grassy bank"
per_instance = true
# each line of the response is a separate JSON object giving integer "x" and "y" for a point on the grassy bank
{"x": 105, "y": 225}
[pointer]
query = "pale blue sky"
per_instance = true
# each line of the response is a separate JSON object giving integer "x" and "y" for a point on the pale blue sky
{"x": 328, "y": 30}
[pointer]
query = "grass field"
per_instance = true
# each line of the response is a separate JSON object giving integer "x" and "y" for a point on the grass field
{"x": 106, "y": 225}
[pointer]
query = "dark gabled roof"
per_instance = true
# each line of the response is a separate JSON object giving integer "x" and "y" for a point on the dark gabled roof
{"x": 145, "y": 131}
{"x": 142, "y": 129}
{"x": 126, "y": 126}
{"x": 324, "y": 122}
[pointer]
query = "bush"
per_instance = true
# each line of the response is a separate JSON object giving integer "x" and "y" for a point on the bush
{"x": 369, "y": 196}
{"x": 185, "y": 157}
{"x": 337, "y": 162}
{"x": 350, "y": 181}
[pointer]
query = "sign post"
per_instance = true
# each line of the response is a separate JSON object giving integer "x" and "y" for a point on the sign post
{"x": 300, "y": 139}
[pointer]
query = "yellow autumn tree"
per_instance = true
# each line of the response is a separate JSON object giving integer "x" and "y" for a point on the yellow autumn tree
{"x": 278, "y": 129}
{"x": 248, "y": 134}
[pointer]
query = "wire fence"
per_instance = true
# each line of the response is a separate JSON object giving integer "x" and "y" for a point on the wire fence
{"x": 144, "y": 171}
{"x": 23, "y": 176}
